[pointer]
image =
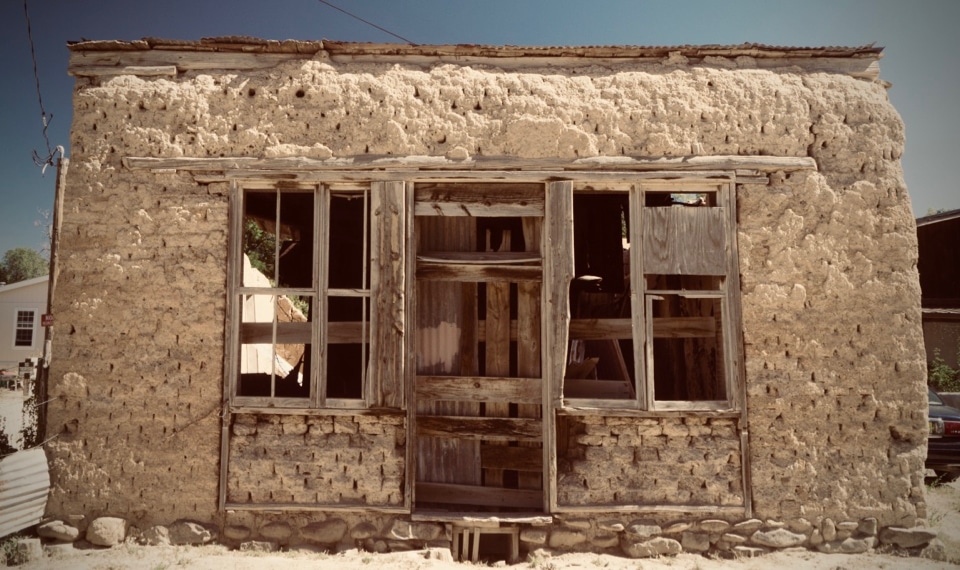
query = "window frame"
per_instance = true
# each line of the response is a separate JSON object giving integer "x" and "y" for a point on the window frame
{"x": 319, "y": 290}
{"x": 728, "y": 292}
{"x": 17, "y": 328}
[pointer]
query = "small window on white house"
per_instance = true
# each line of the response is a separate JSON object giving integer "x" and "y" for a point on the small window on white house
{"x": 23, "y": 334}
{"x": 650, "y": 298}
{"x": 302, "y": 303}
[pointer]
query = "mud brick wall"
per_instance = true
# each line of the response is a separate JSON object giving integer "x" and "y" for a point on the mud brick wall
{"x": 649, "y": 461}
{"x": 138, "y": 352}
{"x": 333, "y": 460}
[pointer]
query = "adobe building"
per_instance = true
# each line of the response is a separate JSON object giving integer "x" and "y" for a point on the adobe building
{"x": 612, "y": 299}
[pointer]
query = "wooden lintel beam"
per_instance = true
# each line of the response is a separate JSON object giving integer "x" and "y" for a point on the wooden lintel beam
{"x": 548, "y": 165}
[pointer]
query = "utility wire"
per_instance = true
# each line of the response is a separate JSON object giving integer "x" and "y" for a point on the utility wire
{"x": 43, "y": 163}
{"x": 354, "y": 16}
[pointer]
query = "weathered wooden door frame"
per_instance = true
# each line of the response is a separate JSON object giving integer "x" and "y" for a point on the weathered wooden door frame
{"x": 555, "y": 241}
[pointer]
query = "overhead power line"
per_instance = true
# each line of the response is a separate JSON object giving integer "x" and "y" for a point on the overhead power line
{"x": 354, "y": 16}
{"x": 42, "y": 162}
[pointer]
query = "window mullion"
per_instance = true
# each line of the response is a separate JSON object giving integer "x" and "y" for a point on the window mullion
{"x": 641, "y": 329}
{"x": 320, "y": 280}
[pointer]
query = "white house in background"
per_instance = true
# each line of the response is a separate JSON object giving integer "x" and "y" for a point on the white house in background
{"x": 21, "y": 335}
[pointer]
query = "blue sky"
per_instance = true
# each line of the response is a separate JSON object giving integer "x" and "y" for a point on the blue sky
{"x": 920, "y": 36}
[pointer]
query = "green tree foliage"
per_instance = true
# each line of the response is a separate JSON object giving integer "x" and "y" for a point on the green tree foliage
{"x": 20, "y": 264}
{"x": 941, "y": 376}
{"x": 259, "y": 246}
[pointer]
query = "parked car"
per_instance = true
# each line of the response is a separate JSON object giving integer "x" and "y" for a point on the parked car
{"x": 943, "y": 443}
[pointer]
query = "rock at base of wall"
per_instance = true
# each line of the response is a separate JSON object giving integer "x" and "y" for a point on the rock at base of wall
{"x": 325, "y": 532}
{"x": 156, "y": 536}
{"x": 107, "y": 531}
{"x": 658, "y": 546}
{"x": 907, "y": 537}
{"x": 778, "y": 538}
{"x": 58, "y": 530}
{"x": 189, "y": 532}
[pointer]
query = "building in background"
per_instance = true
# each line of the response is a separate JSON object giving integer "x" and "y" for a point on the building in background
{"x": 21, "y": 336}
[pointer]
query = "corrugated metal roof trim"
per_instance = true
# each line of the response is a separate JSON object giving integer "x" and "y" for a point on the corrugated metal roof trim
{"x": 256, "y": 45}
{"x": 24, "y": 485}
{"x": 940, "y": 217}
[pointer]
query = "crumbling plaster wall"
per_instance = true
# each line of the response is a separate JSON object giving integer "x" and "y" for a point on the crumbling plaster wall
{"x": 830, "y": 296}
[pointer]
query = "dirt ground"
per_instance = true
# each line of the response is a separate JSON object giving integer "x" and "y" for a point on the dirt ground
{"x": 944, "y": 504}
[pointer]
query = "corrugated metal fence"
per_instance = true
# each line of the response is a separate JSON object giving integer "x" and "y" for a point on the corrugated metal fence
{"x": 24, "y": 484}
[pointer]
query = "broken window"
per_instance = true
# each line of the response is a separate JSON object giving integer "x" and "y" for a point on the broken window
{"x": 303, "y": 297}
{"x": 650, "y": 297}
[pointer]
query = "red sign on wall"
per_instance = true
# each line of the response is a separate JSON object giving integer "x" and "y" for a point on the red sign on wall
{"x": 46, "y": 320}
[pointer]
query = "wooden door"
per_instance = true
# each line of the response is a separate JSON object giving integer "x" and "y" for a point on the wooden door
{"x": 478, "y": 386}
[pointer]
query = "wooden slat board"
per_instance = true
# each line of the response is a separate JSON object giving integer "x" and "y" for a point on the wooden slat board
{"x": 684, "y": 241}
{"x": 491, "y": 429}
{"x": 476, "y": 272}
{"x": 486, "y": 200}
{"x": 528, "y": 345}
{"x": 479, "y": 389}
{"x": 480, "y": 257}
{"x": 497, "y": 353}
{"x": 476, "y": 495}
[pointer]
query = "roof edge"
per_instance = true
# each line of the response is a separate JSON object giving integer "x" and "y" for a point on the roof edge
{"x": 248, "y": 44}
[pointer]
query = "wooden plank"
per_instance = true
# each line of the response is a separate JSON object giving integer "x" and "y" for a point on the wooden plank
{"x": 138, "y": 70}
{"x": 663, "y": 327}
{"x": 684, "y": 241}
{"x": 488, "y": 199}
{"x": 479, "y": 389}
{"x": 491, "y": 429}
{"x": 528, "y": 346}
{"x": 476, "y": 273}
{"x": 338, "y": 332}
{"x": 480, "y": 257}
{"x": 81, "y": 61}
{"x": 527, "y": 459}
{"x": 388, "y": 322}
{"x": 482, "y": 520}
{"x": 452, "y": 494}
{"x": 555, "y": 319}
{"x": 590, "y": 180}
{"x": 548, "y": 166}
{"x": 497, "y": 353}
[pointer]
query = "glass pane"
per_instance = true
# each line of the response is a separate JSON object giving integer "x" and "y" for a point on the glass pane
{"x": 275, "y": 354}
{"x": 688, "y": 359}
{"x": 348, "y": 333}
{"x": 296, "y": 256}
{"x": 348, "y": 251}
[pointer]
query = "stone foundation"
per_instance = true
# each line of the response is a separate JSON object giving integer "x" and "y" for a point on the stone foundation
{"x": 624, "y": 536}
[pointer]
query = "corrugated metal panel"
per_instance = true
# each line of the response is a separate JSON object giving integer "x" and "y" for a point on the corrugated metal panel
{"x": 24, "y": 484}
